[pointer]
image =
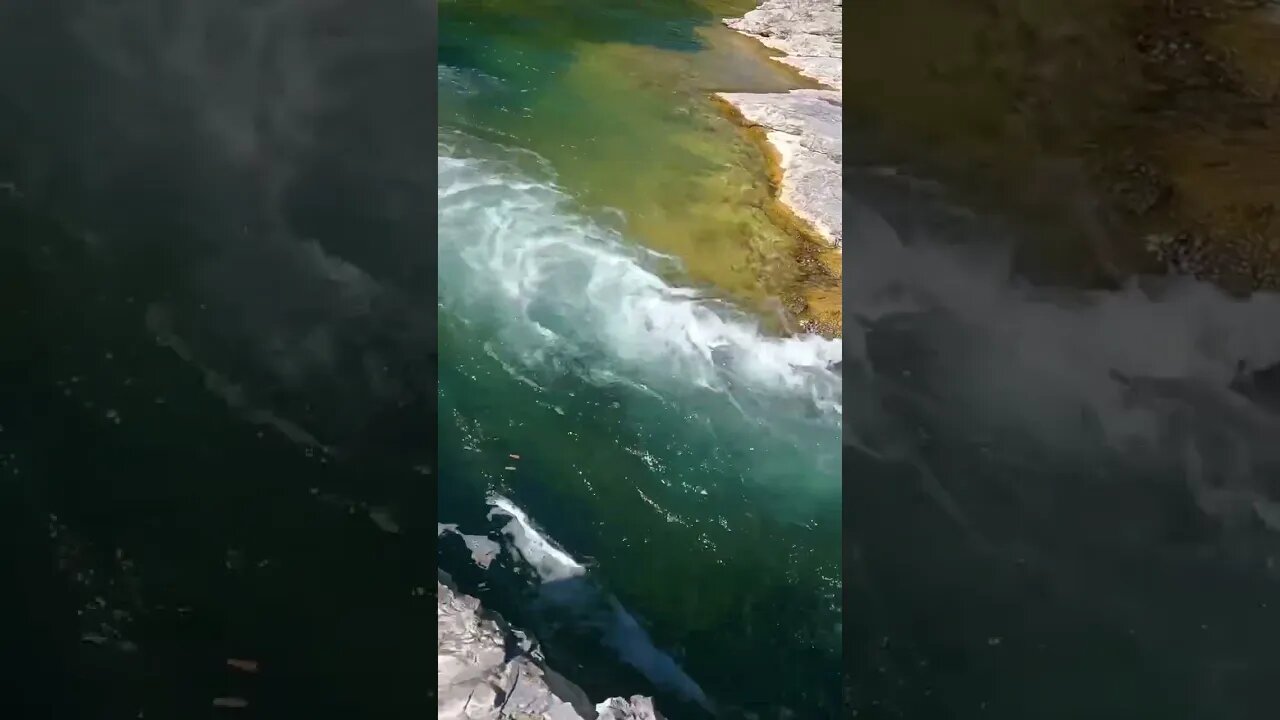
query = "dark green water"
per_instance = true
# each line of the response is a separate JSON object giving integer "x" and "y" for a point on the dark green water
{"x": 215, "y": 356}
{"x": 684, "y": 461}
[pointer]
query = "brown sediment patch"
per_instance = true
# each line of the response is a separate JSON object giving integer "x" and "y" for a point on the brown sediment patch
{"x": 1129, "y": 134}
{"x": 1218, "y": 142}
{"x": 813, "y": 297}
{"x": 1250, "y": 41}
{"x": 1227, "y": 222}
{"x": 628, "y": 127}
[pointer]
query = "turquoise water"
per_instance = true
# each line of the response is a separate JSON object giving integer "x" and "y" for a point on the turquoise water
{"x": 662, "y": 472}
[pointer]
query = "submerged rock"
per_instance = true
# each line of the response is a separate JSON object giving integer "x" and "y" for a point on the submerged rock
{"x": 487, "y": 671}
{"x": 803, "y": 126}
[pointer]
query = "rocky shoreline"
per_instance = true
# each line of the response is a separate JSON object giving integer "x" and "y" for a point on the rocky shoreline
{"x": 487, "y": 670}
{"x": 802, "y": 126}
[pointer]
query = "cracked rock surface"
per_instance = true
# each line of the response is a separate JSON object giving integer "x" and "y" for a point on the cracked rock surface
{"x": 488, "y": 671}
{"x": 802, "y": 125}
{"x": 807, "y": 32}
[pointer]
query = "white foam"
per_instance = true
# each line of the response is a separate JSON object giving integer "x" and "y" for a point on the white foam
{"x": 622, "y": 631}
{"x": 539, "y": 551}
{"x": 570, "y": 293}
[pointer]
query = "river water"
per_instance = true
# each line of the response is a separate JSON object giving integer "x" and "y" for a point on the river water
{"x": 661, "y": 469}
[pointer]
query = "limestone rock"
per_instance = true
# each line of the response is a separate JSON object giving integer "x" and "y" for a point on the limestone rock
{"x": 637, "y": 708}
{"x": 812, "y": 117}
{"x": 806, "y": 31}
{"x": 804, "y": 126}
{"x": 487, "y": 671}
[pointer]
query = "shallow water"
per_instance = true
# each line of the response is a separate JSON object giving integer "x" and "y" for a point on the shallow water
{"x": 618, "y": 99}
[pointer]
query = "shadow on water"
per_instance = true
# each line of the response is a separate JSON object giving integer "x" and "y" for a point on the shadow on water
{"x": 1058, "y": 504}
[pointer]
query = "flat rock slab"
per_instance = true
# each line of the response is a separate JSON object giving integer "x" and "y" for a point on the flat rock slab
{"x": 476, "y": 680}
{"x": 806, "y": 31}
{"x": 804, "y": 126}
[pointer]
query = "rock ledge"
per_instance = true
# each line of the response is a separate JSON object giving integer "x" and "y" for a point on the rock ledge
{"x": 489, "y": 671}
{"x": 804, "y": 126}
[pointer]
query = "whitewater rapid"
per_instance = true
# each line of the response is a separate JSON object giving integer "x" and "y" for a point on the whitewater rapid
{"x": 567, "y": 292}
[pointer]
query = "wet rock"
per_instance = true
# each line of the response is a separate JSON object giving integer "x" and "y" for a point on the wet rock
{"x": 479, "y": 677}
{"x": 483, "y": 550}
{"x": 475, "y": 678}
{"x": 637, "y": 708}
